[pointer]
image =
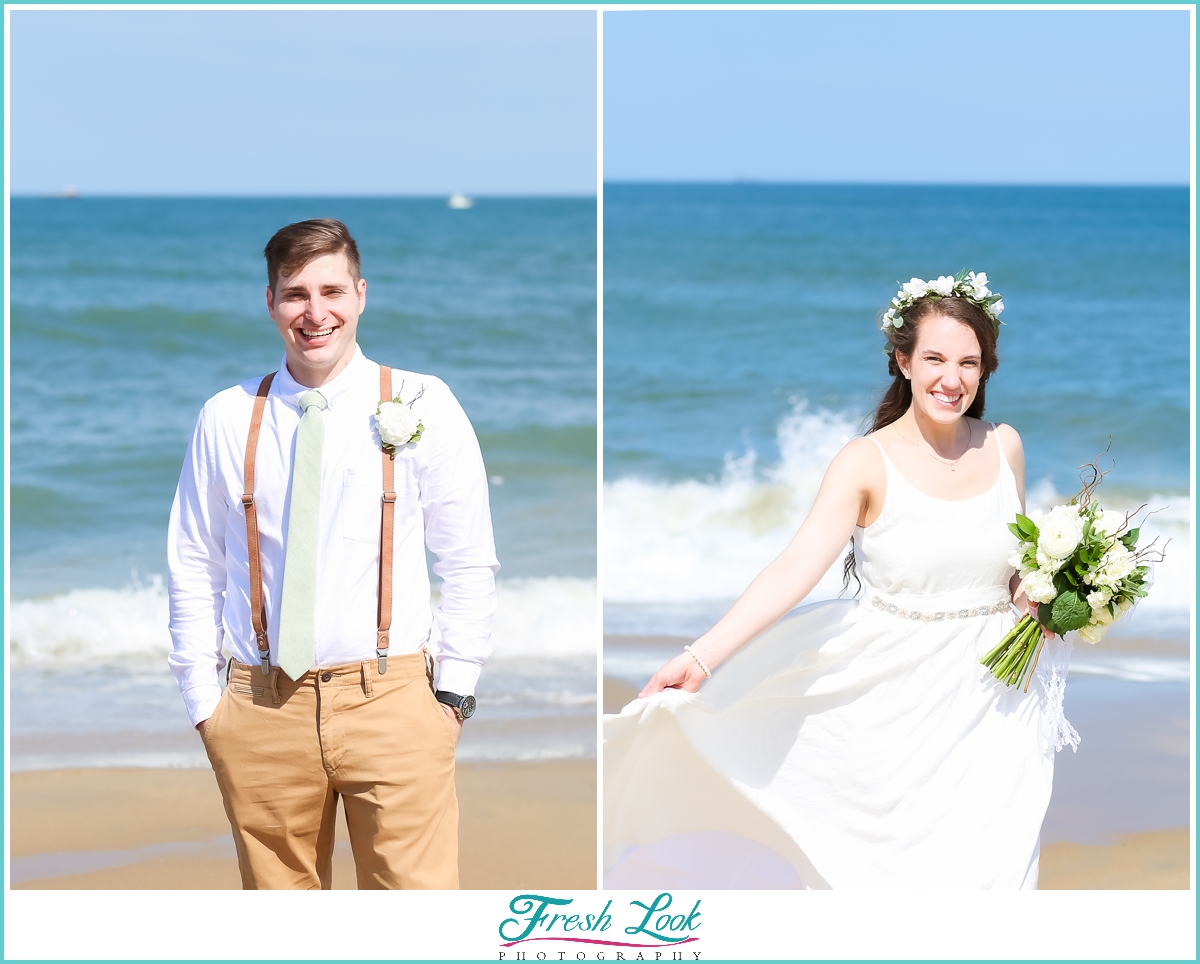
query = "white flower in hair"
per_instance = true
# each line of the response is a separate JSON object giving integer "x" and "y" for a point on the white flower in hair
{"x": 979, "y": 288}
{"x": 966, "y": 284}
{"x": 944, "y": 286}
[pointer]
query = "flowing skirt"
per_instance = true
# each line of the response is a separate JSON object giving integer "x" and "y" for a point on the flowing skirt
{"x": 844, "y": 748}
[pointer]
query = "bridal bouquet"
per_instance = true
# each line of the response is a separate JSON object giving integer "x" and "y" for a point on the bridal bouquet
{"x": 1080, "y": 563}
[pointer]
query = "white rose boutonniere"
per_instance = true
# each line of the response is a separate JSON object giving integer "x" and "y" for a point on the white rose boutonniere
{"x": 397, "y": 425}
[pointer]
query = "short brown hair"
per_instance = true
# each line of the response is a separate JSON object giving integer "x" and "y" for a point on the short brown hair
{"x": 294, "y": 246}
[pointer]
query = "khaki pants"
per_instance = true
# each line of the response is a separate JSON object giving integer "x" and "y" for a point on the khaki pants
{"x": 284, "y": 751}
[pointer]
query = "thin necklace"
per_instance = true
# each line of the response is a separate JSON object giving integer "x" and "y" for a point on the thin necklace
{"x": 953, "y": 464}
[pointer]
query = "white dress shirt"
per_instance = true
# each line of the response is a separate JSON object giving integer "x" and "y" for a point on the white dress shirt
{"x": 441, "y": 502}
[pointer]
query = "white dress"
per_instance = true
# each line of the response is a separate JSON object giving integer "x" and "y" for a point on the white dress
{"x": 858, "y": 743}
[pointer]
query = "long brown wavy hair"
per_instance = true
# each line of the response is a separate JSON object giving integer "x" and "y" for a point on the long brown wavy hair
{"x": 898, "y": 397}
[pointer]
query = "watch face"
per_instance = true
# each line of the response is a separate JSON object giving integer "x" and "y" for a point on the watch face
{"x": 467, "y": 707}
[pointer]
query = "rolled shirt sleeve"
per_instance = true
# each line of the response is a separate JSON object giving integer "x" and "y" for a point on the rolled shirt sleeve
{"x": 458, "y": 531}
{"x": 196, "y": 585}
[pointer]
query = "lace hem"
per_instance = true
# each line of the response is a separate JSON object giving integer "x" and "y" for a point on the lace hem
{"x": 1052, "y": 671}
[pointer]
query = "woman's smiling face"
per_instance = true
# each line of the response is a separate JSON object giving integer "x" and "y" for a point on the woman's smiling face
{"x": 944, "y": 369}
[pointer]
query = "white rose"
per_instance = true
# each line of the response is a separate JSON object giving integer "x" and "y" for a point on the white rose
{"x": 1098, "y": 598}
{"x": 1124, "y": 606}
{"x": 997, "y": 307}
{"x": 944, "y": 286}
{"x": 917, "y": 288}
{"x": 1039, "y": 586}
{"x": 1092, "y": 633}
{"x": 1108, "y": 522}
{"x": 396, "y": 423}
{"x": 1101, "y": 617}
{"x": 1060, "y": 531}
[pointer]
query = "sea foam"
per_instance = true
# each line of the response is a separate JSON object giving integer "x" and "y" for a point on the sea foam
{"x": 679, "y": 553}
{"x": 547, "y": 616}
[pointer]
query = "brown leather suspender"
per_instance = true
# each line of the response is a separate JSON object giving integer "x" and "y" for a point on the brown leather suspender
{"x": 385, "y": 533}
{"x": 258, "y": 616}
{"x": 258, "y": 609}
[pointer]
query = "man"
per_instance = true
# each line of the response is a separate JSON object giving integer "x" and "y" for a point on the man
{"x": 297, "y": 539}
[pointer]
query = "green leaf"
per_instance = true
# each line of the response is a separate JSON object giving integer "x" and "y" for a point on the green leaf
{"x": 1025, "y": 524}
{"x": 1016, "y": 531}
{"x": 1130, "y": 538}
{"x": 1045, "y": 615}
{"x": 1071, "y": 611}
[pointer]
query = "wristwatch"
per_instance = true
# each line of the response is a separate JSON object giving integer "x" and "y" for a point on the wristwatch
{"x": 464, "y": 706}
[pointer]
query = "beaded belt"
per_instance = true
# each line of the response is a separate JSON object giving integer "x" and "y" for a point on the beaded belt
{"x": 933, "y": 617}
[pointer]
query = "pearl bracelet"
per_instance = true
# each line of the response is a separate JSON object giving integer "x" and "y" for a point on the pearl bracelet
{"x": 691, "y": 653}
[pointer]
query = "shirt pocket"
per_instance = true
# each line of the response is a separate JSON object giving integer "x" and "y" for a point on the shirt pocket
{"x": 361, "y": 512}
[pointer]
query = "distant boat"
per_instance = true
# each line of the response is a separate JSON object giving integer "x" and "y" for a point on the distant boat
{"x": 70, "y": 192}
{"x": 460, "y": 202}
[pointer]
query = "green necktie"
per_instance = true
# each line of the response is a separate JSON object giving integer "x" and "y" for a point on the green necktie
{"x": 297, "y": 607}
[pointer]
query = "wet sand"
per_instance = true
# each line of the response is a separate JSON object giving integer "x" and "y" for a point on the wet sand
{"x": 1156, "y": 860}
{"x": 522, "y": 826}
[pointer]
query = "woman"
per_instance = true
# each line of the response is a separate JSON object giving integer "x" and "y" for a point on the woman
{"x": 862, "y": 744}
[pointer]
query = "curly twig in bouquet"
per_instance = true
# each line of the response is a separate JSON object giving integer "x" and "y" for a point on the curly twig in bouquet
{"x": 1080, "y": 563}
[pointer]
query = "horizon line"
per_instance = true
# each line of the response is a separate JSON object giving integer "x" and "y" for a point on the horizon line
{"x": 72, "y": 194}
{"x": 770, "y": 182}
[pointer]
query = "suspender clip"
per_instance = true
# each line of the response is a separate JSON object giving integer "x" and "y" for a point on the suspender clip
{"x": 382, "y": 654}
{"x": 264, "y": 652}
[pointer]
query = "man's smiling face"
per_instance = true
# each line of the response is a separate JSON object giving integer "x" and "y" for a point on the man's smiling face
{"x": 316, "y": 311}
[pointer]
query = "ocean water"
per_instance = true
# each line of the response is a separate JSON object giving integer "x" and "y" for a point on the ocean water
{"x": 126, "y": 314}
{"x": 741, "y": 352}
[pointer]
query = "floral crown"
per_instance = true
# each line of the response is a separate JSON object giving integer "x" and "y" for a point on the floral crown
{"x": 965, "y": 284}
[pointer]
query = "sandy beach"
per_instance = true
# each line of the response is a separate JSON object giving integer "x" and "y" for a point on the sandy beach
{"x": 522, "y": 825}
{"x": 1155, "y": 860}
{"x": 1117, "y": 819}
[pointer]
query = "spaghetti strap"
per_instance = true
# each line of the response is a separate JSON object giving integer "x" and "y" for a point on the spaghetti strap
{"x": 1000, "y": 449}
{"x": 882, "y": 451}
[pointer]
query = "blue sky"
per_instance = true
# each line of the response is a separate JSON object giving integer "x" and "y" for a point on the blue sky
{"x": 303, "y": 102}
{"x": 1092, "y": 97}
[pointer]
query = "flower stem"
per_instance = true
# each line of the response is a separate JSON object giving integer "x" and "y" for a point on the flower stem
{"x": 994, "y": 655}
{"x": 1041, "y": 641}
{"x": 1014, "y": 654}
